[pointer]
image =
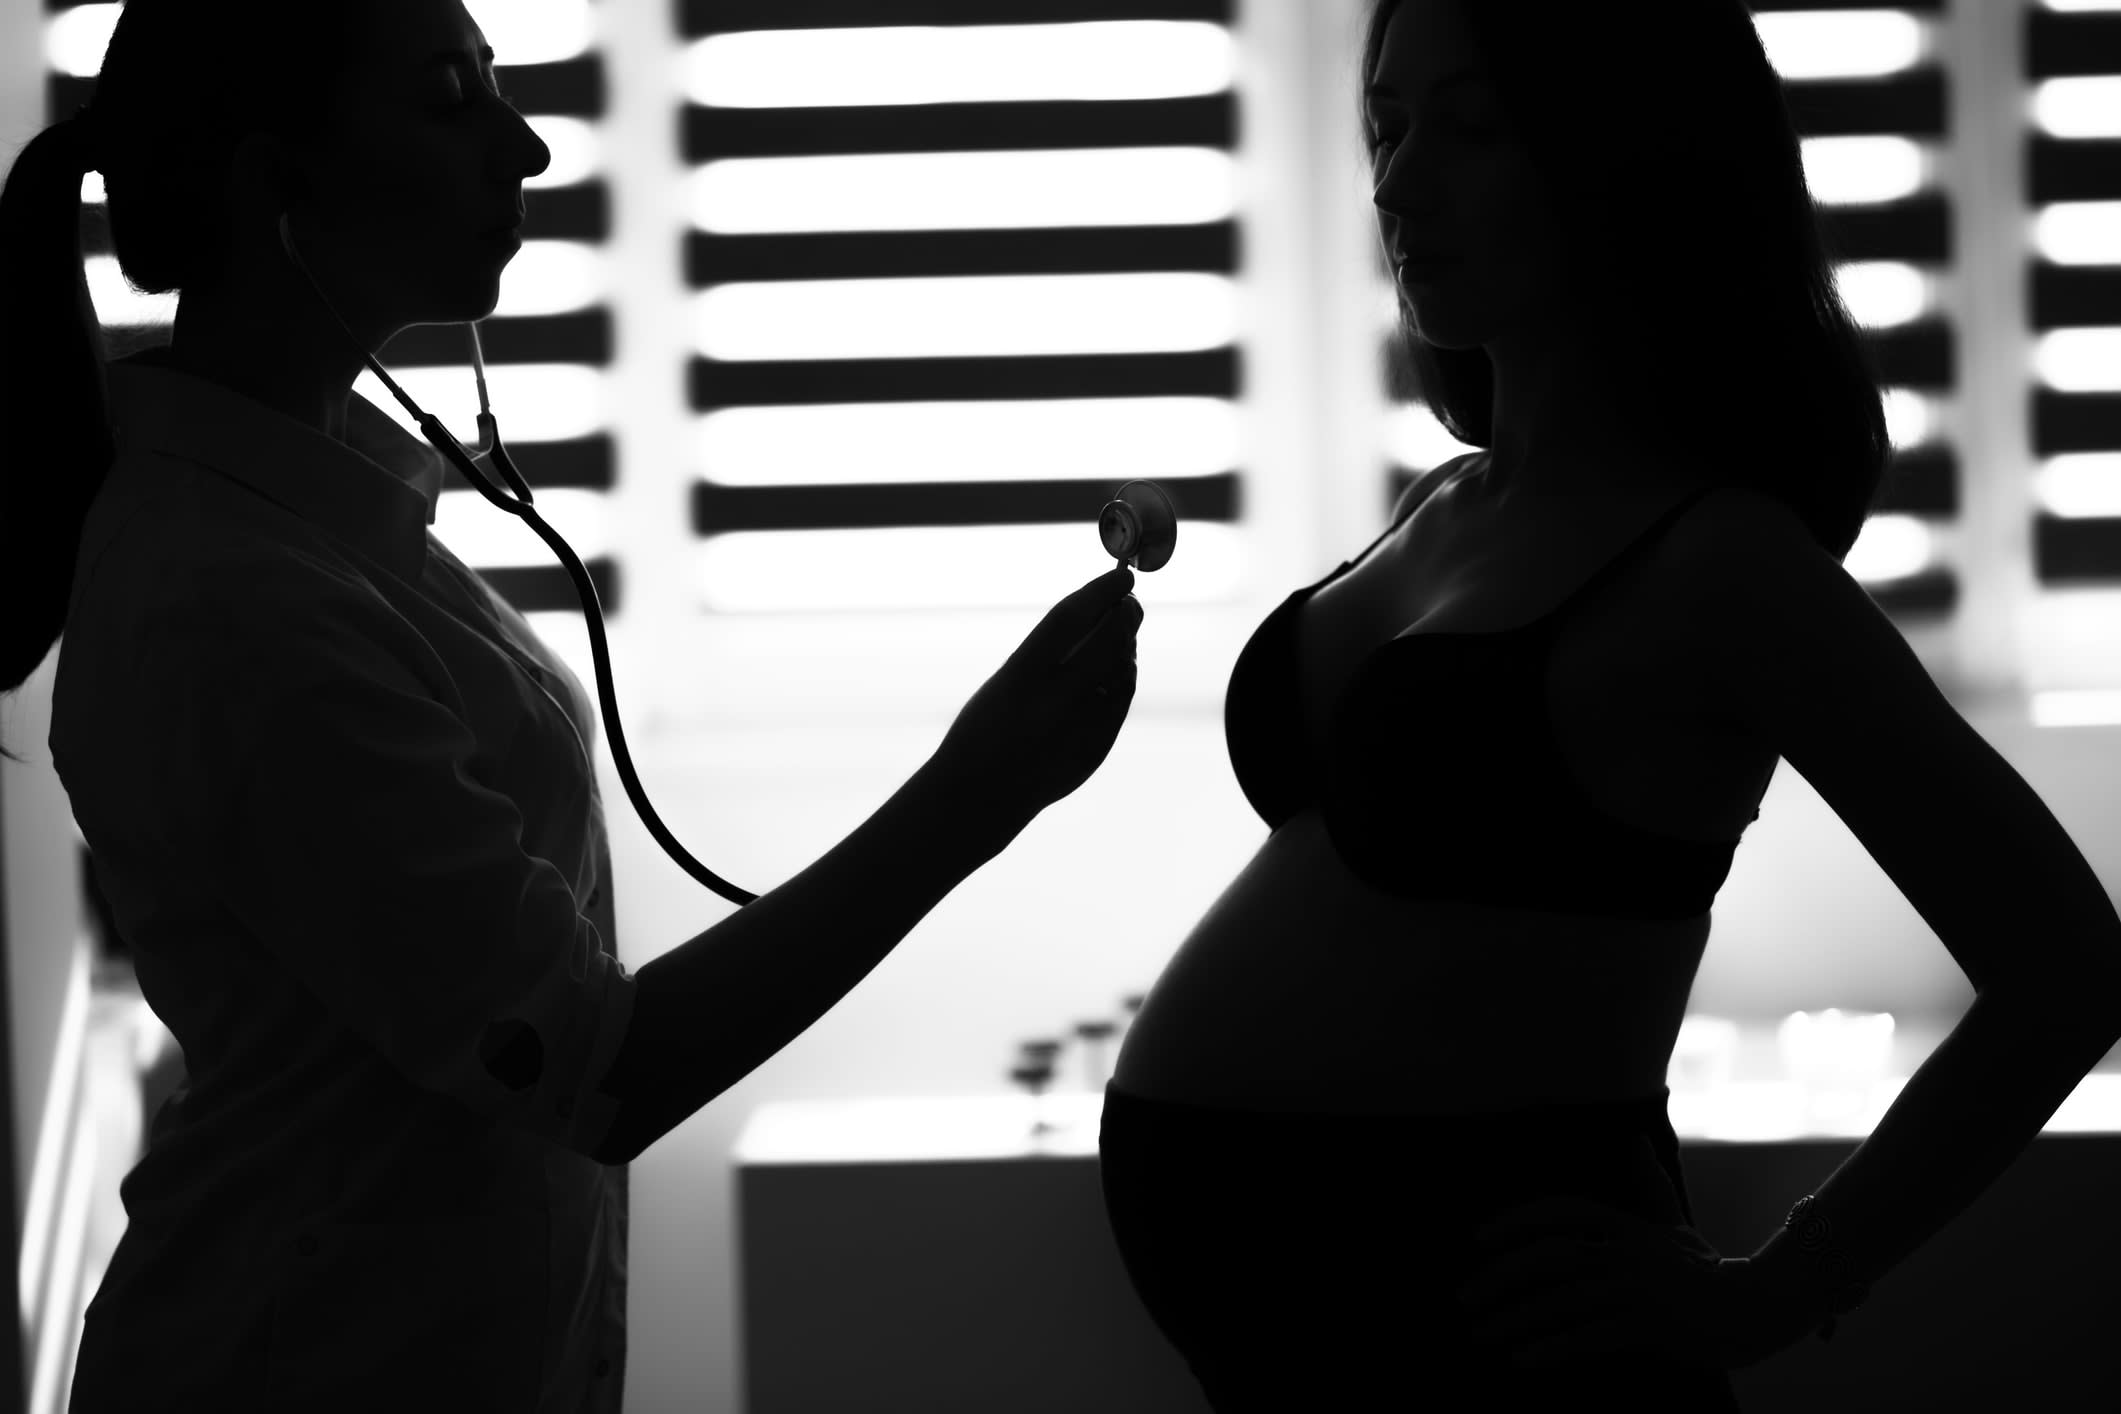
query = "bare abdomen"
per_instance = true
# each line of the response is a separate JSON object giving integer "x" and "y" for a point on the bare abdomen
{"x": 1303, "y": 988}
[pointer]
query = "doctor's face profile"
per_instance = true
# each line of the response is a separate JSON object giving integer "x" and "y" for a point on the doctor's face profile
{"x": 1464, "y": 217}
{"x": 424, "y": 161}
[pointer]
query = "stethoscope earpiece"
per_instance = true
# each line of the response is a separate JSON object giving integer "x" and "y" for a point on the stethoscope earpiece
{"x": 1140, "y": 526}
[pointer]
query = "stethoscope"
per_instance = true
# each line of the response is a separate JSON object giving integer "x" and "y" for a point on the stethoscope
{"x": 1139, "y": 528}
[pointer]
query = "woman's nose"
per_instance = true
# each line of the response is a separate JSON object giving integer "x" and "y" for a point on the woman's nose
{"x": 1392, "y": 184}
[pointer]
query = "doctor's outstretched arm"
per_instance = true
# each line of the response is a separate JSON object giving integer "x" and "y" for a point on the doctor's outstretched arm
{"x": 712, "y": 1010}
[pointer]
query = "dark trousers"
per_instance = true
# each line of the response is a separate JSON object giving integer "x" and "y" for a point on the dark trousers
{"x": 1305, "y": 1263}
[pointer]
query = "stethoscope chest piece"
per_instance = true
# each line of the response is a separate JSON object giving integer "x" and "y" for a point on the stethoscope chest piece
{"x": 1140, "y": 526}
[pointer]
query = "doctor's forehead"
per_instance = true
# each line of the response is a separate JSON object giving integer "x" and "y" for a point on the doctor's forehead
{"x": 404, "y": 35}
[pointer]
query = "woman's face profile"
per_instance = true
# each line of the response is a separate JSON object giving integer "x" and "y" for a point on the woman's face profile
{"x": 1462, "y": 212}
{"x": 424, "y": 162}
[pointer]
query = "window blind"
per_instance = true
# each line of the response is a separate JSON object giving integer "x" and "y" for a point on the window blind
{"x": 858, "y": 212}
{"x": 2072, "y": 55}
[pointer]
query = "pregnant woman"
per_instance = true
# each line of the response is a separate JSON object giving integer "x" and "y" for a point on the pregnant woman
{"x": 342, "y": 803}
{"x": 1506, "y": 754}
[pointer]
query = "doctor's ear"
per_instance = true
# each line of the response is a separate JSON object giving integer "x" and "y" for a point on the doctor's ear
{"x": 272, "y": 166}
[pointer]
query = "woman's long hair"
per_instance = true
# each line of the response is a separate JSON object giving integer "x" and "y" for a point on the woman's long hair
{"x": 182, "y": 82}
{"x": 1664, "y": 132}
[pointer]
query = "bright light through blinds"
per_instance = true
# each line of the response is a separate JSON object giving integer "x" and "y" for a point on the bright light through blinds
{"x": 1841, "y": 44}
{"x": 1868, "y": 170}
{"x": 1139, "y": 186}
{"x": 831, "y": 68}
{"x": 911, "y": 568}
{"x": 1415, "y": 438}
{"x": 535, "y": 402}
{"x": 2080, "y": 360}
{"x": 486, "y": 537}
{"x": 2080, "y": 232}
{"x": 1890, "y": 547}
{"x": 972, "y": 316}
{"x": 1053, "y": 192}
{"x": 2079, "y": 107}
{"x": 2081, "y": 484}
{"x": 520, "y": 31}
{"x": 546, "y": 277}
{"x": 1844, "y": 170}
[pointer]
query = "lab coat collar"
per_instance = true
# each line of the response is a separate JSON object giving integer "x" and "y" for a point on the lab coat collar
{"x": 377, "y": 490}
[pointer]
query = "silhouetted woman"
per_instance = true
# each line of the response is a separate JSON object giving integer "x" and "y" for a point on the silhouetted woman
{"x": 338, "y": 794}
{"x": 340, "y": 798}
{"x": 1416, "y": 1051}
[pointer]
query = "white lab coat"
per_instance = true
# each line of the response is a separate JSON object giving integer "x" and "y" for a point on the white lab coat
{"x": 344, "y": 831}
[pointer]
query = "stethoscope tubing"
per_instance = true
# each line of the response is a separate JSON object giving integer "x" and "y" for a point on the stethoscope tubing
{"x": 585, "y": 588}
{"x": 593, "y": 608}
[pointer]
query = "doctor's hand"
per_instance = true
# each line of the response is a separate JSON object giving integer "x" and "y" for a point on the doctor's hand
{"x": 1040, "y": 726}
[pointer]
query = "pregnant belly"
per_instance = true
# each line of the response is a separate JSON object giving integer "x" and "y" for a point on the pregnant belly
{"x": 1303, "y": 988}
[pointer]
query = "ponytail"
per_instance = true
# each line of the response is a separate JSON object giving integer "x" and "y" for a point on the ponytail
{"x": 183, "y": 81}
{"x": 52, "y": 398}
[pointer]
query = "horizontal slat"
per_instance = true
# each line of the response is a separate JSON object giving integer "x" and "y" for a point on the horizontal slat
{"x": 1915, "y": 104}
{"x": 2072, "y": 169}
{"x": 841, "y": 255}
{"x": 1917, "y": 230}
{"x": 1206, "y": 121}
{"x": 579, "y": 336}
{"x": 724, "y": 510}
{"x": 1931, "y": 595}
{"x": 577, "y": 212}
{"x": 542, "y": 589}
{"x": 1213, "y": 373}
{"x": 1924, "y": 481}
{"x": 581, "y": 212}
{"x": 1920, "y": 7}
{"x": 2075, "y": 422}
{"x": 586, "y": 463}
{"x": 1922, "y": 355}
{"x": 2073, "y": 297}
{"x": 2068, "y": 551}
{"x": 2060, "y": 44}
{"x": 697, "y": 18}
{"x": 572, "y": 88}
{"x": 577, "y": 463}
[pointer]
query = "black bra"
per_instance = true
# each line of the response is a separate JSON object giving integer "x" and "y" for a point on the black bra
{"x": 1495, "y": 816}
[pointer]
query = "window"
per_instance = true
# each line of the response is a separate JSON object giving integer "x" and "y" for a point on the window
{"x": 954, "y": 282}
